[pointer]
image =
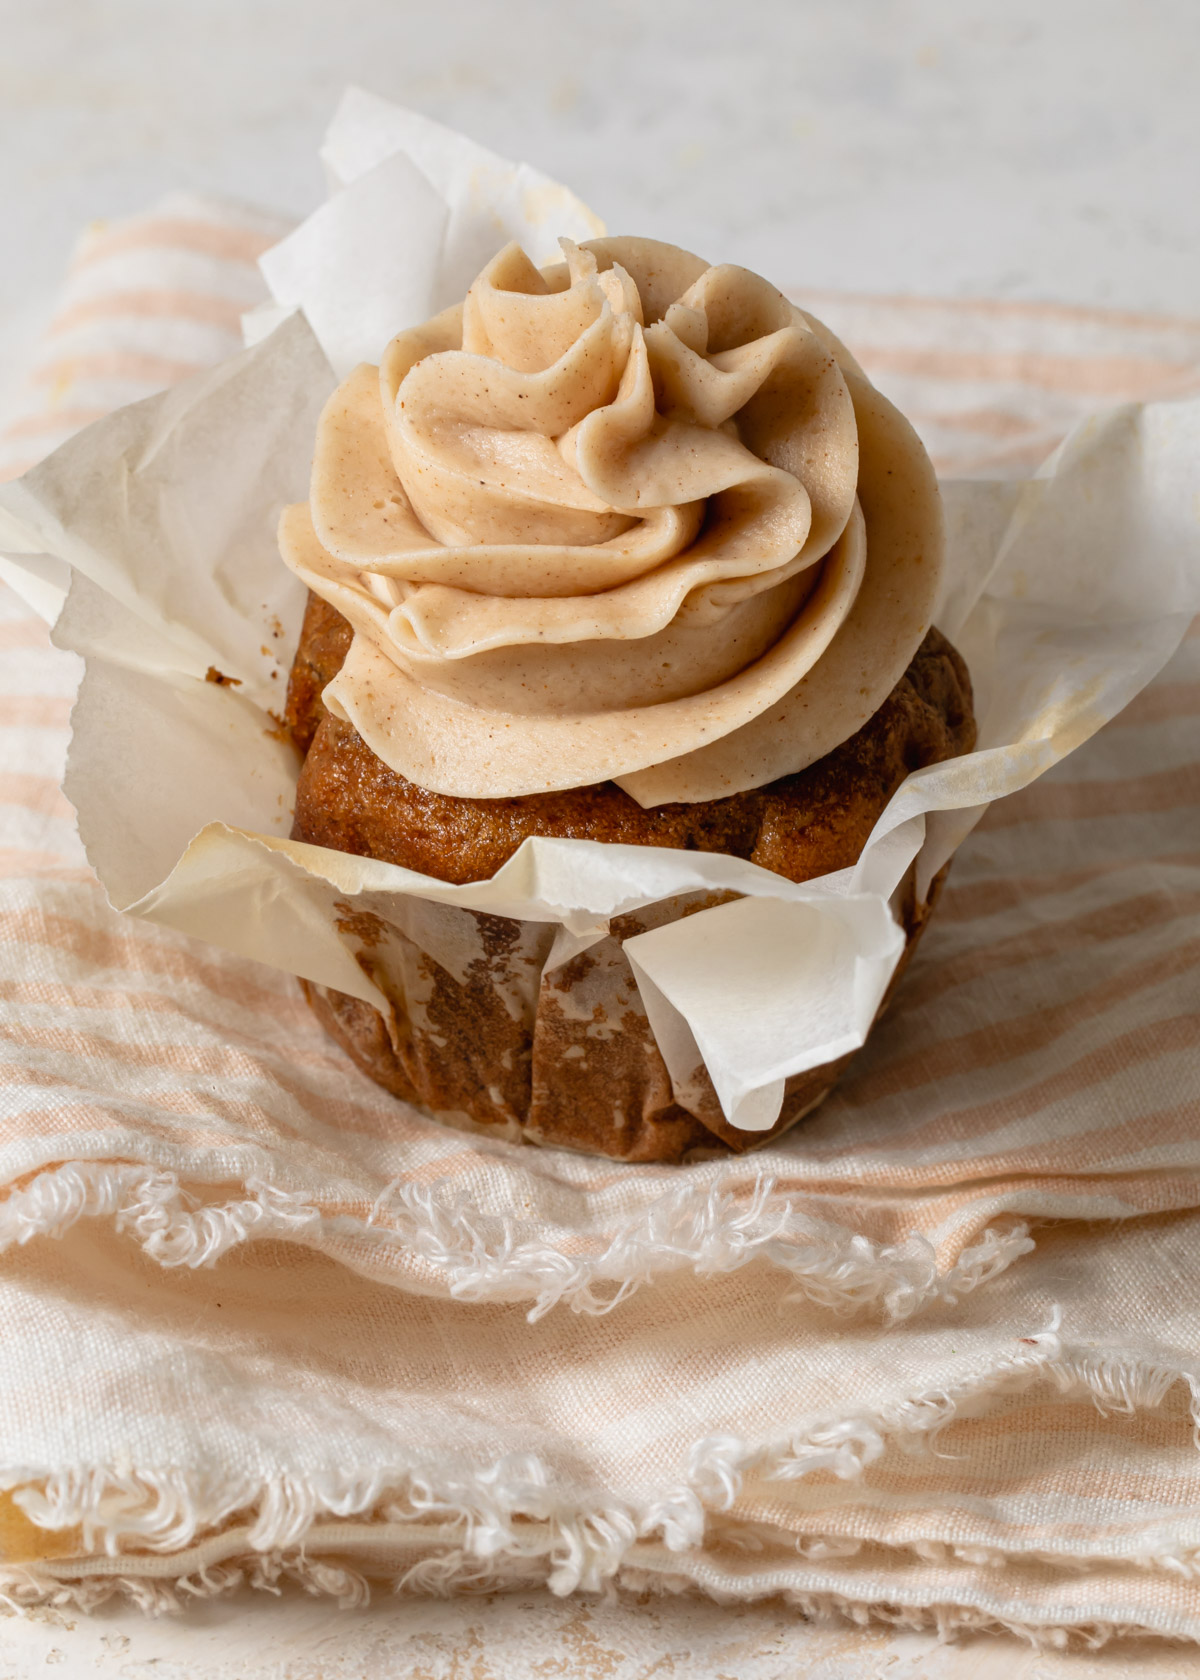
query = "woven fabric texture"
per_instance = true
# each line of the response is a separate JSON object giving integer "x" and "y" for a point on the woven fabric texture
{"x": 933, "y": 1358}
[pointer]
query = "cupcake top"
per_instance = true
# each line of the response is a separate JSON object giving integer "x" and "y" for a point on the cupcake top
{"x": 631, "y": 517}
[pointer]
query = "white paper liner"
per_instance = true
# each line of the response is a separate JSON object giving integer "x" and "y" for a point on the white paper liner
{"x": 415, "y": 212}
{"x": 1065, "y": 596}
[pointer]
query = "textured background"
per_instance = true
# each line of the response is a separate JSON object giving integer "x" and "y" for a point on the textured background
{"x": 1045, "y": 149}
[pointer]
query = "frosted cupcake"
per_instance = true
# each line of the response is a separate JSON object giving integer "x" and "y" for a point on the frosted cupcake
{"x": 629, "y": 550}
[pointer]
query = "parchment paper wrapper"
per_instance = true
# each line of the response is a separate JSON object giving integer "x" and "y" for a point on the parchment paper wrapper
{"x": 151, "y": 539}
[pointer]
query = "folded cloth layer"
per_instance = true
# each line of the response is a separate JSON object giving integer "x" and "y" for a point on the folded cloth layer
{"x": 260, "y": 1320}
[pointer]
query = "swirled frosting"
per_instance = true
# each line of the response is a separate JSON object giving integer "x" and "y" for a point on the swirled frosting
{"x": 631, "y": 517}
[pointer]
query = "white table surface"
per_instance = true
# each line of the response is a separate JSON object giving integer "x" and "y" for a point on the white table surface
{"x": 1039, "y": 149}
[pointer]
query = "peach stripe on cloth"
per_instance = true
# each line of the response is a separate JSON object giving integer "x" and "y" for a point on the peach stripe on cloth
{"x": 932, "y": 1359}
{"x": 147, "y": 301}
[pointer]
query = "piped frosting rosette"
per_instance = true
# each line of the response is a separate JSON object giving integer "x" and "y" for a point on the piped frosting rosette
{"x": 630, "y": 517}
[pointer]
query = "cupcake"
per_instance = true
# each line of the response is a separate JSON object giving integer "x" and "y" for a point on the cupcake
{"x": 629, "y": 550}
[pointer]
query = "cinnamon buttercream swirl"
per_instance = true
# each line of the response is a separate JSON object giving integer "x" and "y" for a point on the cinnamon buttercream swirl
{"x": 632, "y": 517}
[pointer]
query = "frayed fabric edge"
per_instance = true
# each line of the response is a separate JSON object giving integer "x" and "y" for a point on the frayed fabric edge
{"x": 508, "y": 1525}
{"x": 708, "y": 1229}
{"x": 21, "y": 1592}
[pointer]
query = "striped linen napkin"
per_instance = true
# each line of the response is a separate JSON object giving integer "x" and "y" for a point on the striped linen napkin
{"x": 932, "y": 1359}
{"x": 148, "y": 300}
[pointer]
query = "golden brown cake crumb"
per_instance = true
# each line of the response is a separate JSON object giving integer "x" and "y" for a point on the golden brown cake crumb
{"x": 555, "y": 1073}
{"x": 800, "y": 826}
